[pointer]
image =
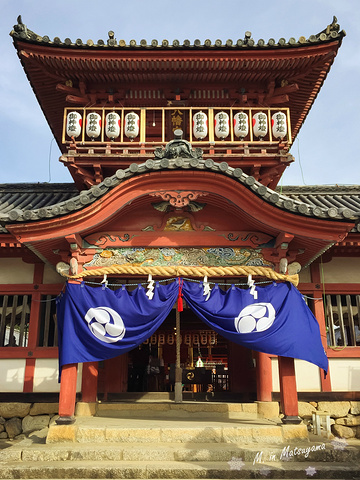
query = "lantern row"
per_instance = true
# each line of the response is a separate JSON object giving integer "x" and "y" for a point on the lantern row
{"x": 200, "y": 125}
{"x": 190, "y": 339}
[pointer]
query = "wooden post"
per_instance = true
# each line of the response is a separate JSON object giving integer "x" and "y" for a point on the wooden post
{"x": 263, "y": 377}
{"x": 178, "y": 370}
{"x": 319, "y": 312}
{"x": 67, "y": 397}
{"x": 89, "y": 382}
{"x": 288, "y": 392}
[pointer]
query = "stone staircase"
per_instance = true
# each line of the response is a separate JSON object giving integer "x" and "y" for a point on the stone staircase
{"x": 179, "y": 442}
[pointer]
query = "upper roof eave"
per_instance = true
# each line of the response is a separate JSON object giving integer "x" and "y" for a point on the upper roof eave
{"x": 330, "y": 34}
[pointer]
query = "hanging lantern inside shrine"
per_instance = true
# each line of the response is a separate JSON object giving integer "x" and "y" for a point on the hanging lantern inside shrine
{"x": 279, "y": 125}
{"x": 200, "y": 125}
{"x": 260, "y": 125}
{"x": 241, "y": 125}
{"x": 93, "y": 125}
{"x": 112, "y": 125}
{"x": 73, "y": 124}
{"x": 132, "y": 125}
{"x": 222, "y": 125}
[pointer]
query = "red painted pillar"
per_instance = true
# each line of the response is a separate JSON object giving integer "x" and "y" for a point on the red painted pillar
{"x": 263, "y": 377}
{"x": 67, "y": 397}
{"x": 288, "y": 392}
{"x": 89, "y": 384}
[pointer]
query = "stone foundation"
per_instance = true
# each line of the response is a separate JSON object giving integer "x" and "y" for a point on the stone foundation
{"x": 344, "y": 416}
{"x": 24, "y": 418}
{"x": 18, "y": 418}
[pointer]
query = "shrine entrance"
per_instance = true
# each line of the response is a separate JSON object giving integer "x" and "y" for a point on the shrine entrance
{"x": 213, "y": 368}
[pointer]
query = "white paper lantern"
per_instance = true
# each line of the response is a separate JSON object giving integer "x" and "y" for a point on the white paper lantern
{"x": 200, "y": 125}
{"x": 222, "y": 125}
{"x": 279, "y": 125}
{"x": 260, "y": 125}
{"x": 112, "y": 125}
{"x": 241, "y": 124}
{"x": 93, "y": 125}
{"x": 73, "y": 124}
{"x": 132, "y": 125}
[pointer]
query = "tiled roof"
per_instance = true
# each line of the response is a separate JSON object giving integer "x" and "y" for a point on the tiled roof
{"x": 325, "y": 196}
{"x": 29, "y": 202}
{"x": 330, "y": 33}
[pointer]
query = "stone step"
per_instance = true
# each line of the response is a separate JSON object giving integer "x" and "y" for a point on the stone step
{"x": 186, "y": 408}
{"x": 159, "y": 429}
{"x": 255, "y": 454}
{"x": 235, "y": 468}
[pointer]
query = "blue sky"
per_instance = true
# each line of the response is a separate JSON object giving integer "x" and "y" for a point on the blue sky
{"x": 326, "y": 151}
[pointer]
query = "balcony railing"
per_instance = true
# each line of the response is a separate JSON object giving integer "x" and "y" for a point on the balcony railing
{"x": 156, "y": 125}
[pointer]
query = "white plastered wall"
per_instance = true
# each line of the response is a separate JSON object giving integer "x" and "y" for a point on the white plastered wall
{"x": 345, "y": 374}
{"x": 12, "y": 374}
{"x": 342, "y": 270}
{"x": 51, "y": 276}
{"x": 47, "y": 373}
{"x": 307, "y": 376}
{"x": 14, "y": 270}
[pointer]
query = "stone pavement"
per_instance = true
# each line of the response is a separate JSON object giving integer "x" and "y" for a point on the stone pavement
{"x": 171, "y": 442}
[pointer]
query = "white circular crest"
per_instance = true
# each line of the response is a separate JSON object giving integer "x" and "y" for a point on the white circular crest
{"x": 255, "y": 318}
{"x": 105, "y": 324}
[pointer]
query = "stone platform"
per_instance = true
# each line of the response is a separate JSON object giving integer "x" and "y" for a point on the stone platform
{"x": 178, "y": 441}
{"x": 148, "y": 422}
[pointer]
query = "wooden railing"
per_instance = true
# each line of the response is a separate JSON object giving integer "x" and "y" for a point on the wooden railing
{"x": 14, "y": 320}
{"x": 343, "y": 323}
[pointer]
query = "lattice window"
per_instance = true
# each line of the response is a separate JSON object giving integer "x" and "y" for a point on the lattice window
{"x": 14, "y": 320}
{"x": 343, "y": 327}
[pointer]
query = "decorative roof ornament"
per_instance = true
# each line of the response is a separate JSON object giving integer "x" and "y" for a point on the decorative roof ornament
{"x": 21, "y": 29}
{"x": 111, "y": 40}
{"x": 178, "y": 148}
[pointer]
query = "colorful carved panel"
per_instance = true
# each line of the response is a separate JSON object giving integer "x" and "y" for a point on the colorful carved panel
{"x": 145, "y": 257}
{"x": 175, "y": 226}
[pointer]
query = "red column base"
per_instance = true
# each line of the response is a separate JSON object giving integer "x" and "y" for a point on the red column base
{"x": 291, "y": 419}
{"x": 65, "y": 420}
{"x": 288, "y": 392}
{"x": 67, "y": 397}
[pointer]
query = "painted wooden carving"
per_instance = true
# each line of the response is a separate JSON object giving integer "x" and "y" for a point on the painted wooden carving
{"x": 145, "y": 257}
{"x": 179, "y": 198}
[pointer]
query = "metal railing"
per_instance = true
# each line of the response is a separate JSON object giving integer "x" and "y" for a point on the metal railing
{"x": 157, "y": 124}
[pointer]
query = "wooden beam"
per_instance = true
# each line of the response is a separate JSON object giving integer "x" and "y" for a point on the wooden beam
{"x": 283, "y": 238}
{"x": 74, "y": 239}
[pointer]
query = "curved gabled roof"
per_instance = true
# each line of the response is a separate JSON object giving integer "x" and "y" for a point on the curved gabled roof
{"x": 24, "y": 202}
